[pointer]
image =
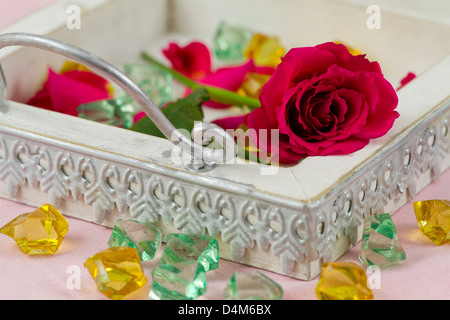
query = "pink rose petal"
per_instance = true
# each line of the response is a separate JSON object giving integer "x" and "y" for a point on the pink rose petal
{"x": 192, "y": 60}
{"x": 65, "y": 92}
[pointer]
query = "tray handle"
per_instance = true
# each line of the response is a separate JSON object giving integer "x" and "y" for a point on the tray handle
{"x": 202, "y": 158}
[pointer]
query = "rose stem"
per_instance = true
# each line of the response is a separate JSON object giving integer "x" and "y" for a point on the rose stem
{"x": 216, "y": 94}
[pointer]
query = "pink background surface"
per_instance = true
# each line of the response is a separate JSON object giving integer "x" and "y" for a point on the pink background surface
{"x": 13, "y": 10}
{"x": 425, "y": 274}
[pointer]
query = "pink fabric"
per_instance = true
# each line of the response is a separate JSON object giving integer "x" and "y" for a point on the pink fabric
{"x": 425, "y": 274}
{"x": 11, "y": 11}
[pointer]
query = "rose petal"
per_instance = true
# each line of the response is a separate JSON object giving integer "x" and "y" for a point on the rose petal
{"x": 407, "y": 79}
{"x": 230, "y": 78}
{"x": 192, "y": 60}
{"x": 65, "y": 92}
{"x": 348, "y": 60}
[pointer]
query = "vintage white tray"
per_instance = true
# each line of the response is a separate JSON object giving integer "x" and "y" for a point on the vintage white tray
{"x": 288, "y": 220}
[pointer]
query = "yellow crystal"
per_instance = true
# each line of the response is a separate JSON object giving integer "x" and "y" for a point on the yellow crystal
{"x": 433, "y": 217}
{"x": 38, "y": 232}
{"x": 264, "y": 50}
{"x": 253, "y": 82}
{"x": 117, "y": 271}
{"x": 343, "y": 281}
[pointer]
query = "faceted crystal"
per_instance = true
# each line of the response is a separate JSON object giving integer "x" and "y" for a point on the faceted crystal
{"x": 117, "y": 271}
{"x": 343, "y": 281}
{"x": 264, "y": 50}
{"x": 230, "y": 41}
{"x": 38, "y": 232}
{"x": 252, "y": 286}
{"x": 433, "y": 217}
{"x": 144, "y": 237}
{"x": 156, "y": 82}
{"x": 253, "y": 82}
{"x": 184, "y": 280}
{"x": 181, "y": 273}
{"x": 118, "y": 112}
{"x": 203, "y": 249}
{"x": 380, "y": 244}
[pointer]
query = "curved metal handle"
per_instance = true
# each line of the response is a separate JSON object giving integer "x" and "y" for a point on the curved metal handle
{"x": 203, "y": 158}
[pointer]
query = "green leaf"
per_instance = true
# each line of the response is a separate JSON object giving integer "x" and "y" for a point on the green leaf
{"x": 182, "y": 113}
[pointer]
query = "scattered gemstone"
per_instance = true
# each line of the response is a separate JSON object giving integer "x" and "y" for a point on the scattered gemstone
{"x": 117, "y": 271}
{"x": 181, "y": 273}
{"x": 118, "y": 112}
{"x": 39, "y": 232}
{"x": 264, "y": 50}
{"x": 380, "y": 244}
{"x": 343, "y": 281}
{"x": 144, "y": 237}
{"x": 252, "y": 286}
{"x": 252, "y": 84}
{"x": 230, "y": 41}
{"x": 433, "y": 217}
{"x": 156, "y": 82}
{"x": 203, "y": 249}
{"x": 184, "y": 280}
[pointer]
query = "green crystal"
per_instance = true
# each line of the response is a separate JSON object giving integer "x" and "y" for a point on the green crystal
{"x": 118, "y": 112}
{"x": 252, "y": 286}
{"x": 203, "y": 249}
{"x": 146, "y": 238}
{"x": 230, "y": 41}
{"x": 181, "y": 273}
{"x": 380, "y": 245}
{"x": 179, "y": 281}
{"x": 154, "y": 81}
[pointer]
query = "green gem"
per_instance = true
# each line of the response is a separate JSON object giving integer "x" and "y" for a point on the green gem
{"x": 252, "y": 286}
{"x": 184, "y": 280}
{"x": 380, "y": 245}
{"x": 181, "y": 273}
{"x": 118, "y": 112}
{"x": 154, "y": 81}
{"x": 230, "y": 41}
{"x": 144, "y": 237}
{"x": 203, "y": 249}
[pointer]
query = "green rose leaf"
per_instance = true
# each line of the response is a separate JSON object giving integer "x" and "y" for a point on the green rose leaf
{"x": 182, "y": 113}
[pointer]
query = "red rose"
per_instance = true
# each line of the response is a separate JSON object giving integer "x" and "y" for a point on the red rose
{"x": 192, "y": 60}
{"x": 324, "y": 101}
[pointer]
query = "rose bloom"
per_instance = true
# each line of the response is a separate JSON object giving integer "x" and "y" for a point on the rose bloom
{"x": 324, "y": 101}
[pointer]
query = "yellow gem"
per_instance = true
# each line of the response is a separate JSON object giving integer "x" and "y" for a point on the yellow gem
{"x": 265, "y": 51}
{"x": 433, "y": 217}
{"x": 343, "y": 281}
{"x": 38, "y": 232}
{"x": 117, "y": 271}
{"x": 253, "y": 82}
